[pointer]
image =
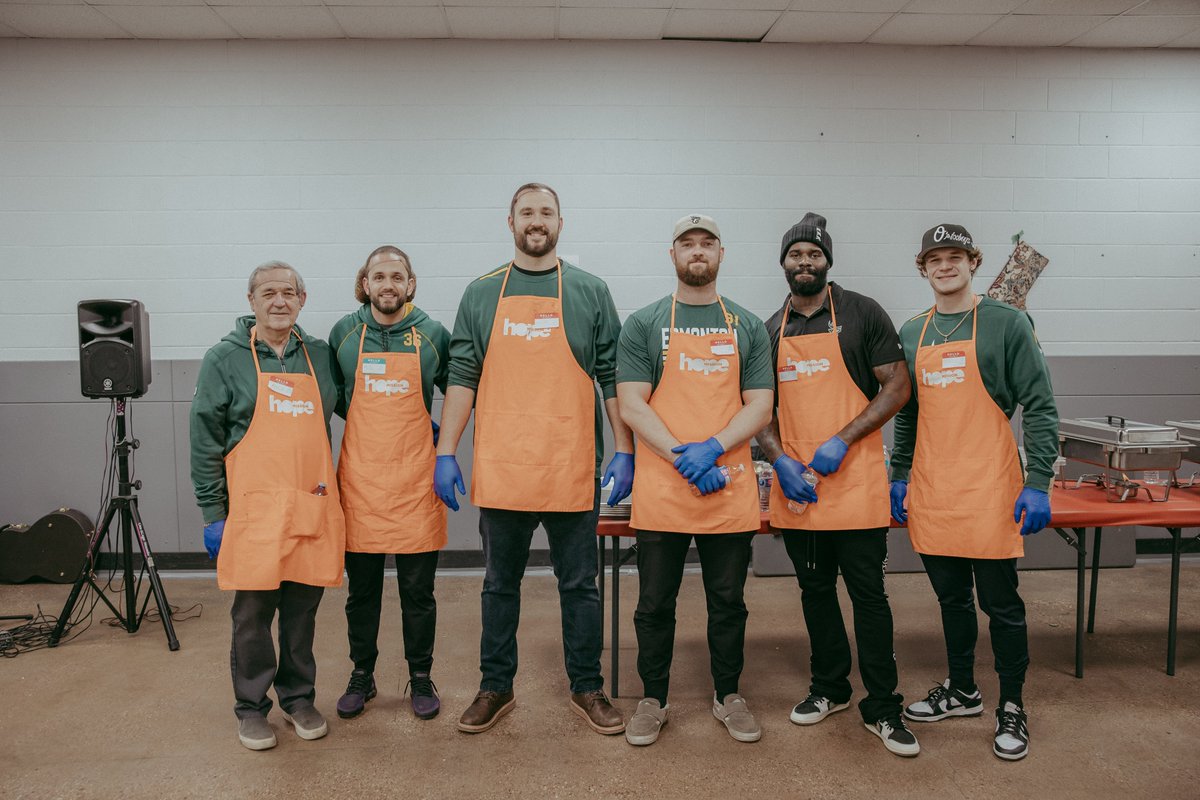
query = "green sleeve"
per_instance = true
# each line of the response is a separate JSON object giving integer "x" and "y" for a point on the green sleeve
{"x": 207, "y": 431}
{"x": 757, "y": 369}
{"x": 904, "y": 428}
{"x": 1029, "y": 379}
{"x": 441, "y": 348}
{"x": 635, "y": 361}
{"x": 608, "y": 330}
{"x": 468, "y": 343}
{"x": 336, "y": 335}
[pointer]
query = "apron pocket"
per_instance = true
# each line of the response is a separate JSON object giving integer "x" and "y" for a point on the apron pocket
{"x": 534, "y": 440}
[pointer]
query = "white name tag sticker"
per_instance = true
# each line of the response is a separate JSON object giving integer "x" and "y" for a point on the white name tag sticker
{"x": 374, "y": 366}
{"x": 722, "y": 347}
{"x": 280, "y": 386}
{"x": 954, "y": 360}
{"x": 788, "y": 373}
{"x": 546, "y": 321}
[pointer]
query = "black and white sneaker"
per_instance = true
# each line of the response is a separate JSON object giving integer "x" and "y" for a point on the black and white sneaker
{"x": 1012, "y": 733}
{"x": 945, "y": 702}
{"x": 815, "y": 708}
{"x": 896, "y": 736}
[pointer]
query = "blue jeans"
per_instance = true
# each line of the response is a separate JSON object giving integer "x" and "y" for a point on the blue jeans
{"x": 572, "y": 537}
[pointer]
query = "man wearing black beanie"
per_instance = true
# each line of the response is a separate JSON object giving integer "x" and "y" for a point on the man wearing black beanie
{"x": 840, "y": 376}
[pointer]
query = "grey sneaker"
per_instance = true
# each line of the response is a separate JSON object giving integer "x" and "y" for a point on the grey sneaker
{"x": 649, "y": 718}
{"x": 307, "y": 721}
{"x": 255, "y": 733}
{"x": 738, "y": 720}
{"x": 815, "y": 708}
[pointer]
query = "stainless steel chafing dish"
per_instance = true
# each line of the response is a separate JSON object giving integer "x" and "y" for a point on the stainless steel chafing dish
{"x": 1189, "y": 432}
{"x": 620, "y": 511}
{"x": 1119, "y": 444}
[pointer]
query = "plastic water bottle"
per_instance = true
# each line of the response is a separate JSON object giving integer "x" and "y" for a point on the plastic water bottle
{"x": 728, "y": 473}
{"x": 812, "y": 479}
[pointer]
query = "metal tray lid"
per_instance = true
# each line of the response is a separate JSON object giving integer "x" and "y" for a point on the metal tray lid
{"x": 1117, "y": 430}
{"x": 1188, "y": 428}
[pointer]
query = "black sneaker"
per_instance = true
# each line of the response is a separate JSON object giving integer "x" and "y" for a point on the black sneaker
{"x": 815, "y": 708}
{"x": 945, "y": 702}
{"x": 360, "y": 689}
{"x": 1012, "y": 733}
{"x": 425, "y": 701}
{"x": 896, "y": 736}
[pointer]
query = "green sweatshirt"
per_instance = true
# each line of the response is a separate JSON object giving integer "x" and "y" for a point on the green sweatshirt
{"x": 589, "y": 317}
{"x": 643, "y": 343}
{"x": 226, "y": 392}
{"x": 344, "y": 339}
{"x": 1014, "y": 373}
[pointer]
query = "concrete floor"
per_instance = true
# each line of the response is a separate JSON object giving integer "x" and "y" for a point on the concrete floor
{"x": 113, "y": 715}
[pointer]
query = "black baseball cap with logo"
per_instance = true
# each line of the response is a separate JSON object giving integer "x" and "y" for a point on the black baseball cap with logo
{"x": 946, "y": 235}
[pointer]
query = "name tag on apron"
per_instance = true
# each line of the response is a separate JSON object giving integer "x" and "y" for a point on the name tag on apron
{"x": 954, "y": 360}
{"x": 549, "y": 320}
{"x": 722, "y": 347}
{"x": 374, "y": 366}
{"x": 788, "y": 373}
{"x": 280, "y": 386}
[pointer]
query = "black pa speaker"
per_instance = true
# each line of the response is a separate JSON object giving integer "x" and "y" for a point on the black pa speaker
{"x": 114, "y": 348}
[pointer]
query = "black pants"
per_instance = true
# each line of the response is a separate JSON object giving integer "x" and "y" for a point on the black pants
{"x": 252, "y": 656}
{"x": 418, "y": 608}
{"x": 861, "y": 556}
{"x": 996, "y": 582}
{"x": 724, "y": 559}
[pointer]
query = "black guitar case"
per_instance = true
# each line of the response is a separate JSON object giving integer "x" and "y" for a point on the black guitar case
{"x": 50, "y": 550}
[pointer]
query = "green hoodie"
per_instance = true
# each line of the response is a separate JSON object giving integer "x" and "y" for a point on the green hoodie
{"x": 345, "y": 336}
{"x": 226, "y": 392}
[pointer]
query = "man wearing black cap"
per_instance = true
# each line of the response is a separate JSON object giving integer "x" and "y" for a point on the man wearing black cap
{"x": 839, "y": 377}
{"x": 973, "y": 361}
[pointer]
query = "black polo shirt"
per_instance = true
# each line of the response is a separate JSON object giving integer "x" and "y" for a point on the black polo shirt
{"x": 865, "y": 333}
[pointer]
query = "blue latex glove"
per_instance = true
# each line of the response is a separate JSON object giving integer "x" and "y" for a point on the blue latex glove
{"x": 898, "y": 493}
{"x": 829, "y": 456}
{"x": 710, "y": 482}
{"x": 446, "y": 478}
{"x": 620, "y": 471}
{"x": 437, "y": 429}
{"x": 1035, "y": 504}
{"x": 213, "y": 532}
{"x": 789, "y": 473}
{"x": 697, "y": 458}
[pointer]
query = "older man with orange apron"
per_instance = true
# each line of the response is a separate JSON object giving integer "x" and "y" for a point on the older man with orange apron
{"x": 530, "y": 342}
{"x": 263, "y": 476}
{"x": 973, "y": 361}
{"x": 694, "y": 382}
{"x": 840, "y": 377}
{"x": 390, "y": 355}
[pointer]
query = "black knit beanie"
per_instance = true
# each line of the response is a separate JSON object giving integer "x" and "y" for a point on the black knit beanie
{"x": 810, "y": 229}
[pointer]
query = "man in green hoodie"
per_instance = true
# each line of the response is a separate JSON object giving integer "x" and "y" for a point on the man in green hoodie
{"x": 390, "y": 355}
{"x": 262, "y": 471}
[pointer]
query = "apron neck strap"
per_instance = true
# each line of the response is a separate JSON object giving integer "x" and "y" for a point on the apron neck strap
{"x": 291, "y": 333}
{"x": 725, "y": 320}
{"x": 513, "y": 265}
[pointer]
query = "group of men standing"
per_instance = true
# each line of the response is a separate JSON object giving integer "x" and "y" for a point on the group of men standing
{"x": 694, "y": 378}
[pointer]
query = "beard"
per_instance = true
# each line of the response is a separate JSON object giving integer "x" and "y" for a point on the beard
{"x": 807, "y": 288}
{"x": 548, "y": 245}
{"x": 387, "y": 305}
{"x": 697, "y": 273}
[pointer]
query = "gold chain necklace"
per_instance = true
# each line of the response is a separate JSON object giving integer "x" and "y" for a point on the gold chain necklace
{"x": 946, "y": 336}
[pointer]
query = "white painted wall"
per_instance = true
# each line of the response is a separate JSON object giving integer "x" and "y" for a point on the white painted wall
{"x": 167, "y": 170}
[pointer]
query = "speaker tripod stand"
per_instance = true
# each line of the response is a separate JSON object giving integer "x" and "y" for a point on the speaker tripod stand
{"x": 123, "y": 507}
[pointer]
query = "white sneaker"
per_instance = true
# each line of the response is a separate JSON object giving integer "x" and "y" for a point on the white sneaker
{"x": 896, "y": 736}
{"x": 1012, "y": 733}
{"x": 945, "y": 702}
{"x": 815, "y": 708}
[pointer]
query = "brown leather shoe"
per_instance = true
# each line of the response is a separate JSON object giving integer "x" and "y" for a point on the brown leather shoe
{"x": 486, "y": 711}
{"x": 598, "y": 712}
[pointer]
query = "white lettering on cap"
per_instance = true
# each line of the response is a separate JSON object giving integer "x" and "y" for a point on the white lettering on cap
{"x": 940, "y": 234}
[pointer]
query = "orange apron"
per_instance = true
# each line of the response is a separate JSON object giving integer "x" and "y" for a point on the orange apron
{"x": 966, "y": 474}
{"x": 817, "y": 398}
{"x": 386, "y": 464}
{"x": 698, "y": 394}
{"x": 535, "y": 440}
{"x": 279, "y": 529}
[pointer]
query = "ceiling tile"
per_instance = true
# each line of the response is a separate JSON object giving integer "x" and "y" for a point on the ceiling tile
{"x": 646, "y": 4}
{"x": 1092, "y": 7}
{"x": 170, "y": 22}
{"x": 1167, "y": 7}
{"x": 735, "y": 5}
{"x": 391, "y": 22}
{"x": 137, "y": 2}
{"x": 611, "y": 23}
{"x": 257, "y": 3}
{"x": 961, "y": 6}
{"x": 821, "y": 26}
{"x": 1137, "y": 32}
{"x": 501, "y": 23}
{"x": 60, "y": 22}
{"x": 500, "y": 3}
{"x": 375, "y": 3}
{"x": 932, "y": 29}
{"x": 707, "y": 24}
{"x": 863, "y": 6}
{"x": 1036, "y": 30}
{"x": 280, "y": 22}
